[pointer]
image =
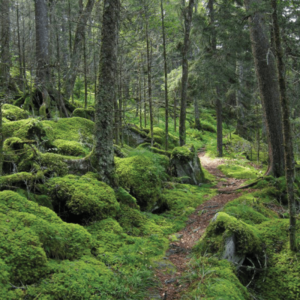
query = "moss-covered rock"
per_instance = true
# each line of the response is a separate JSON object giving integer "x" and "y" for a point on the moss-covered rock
{"x": 215, "y": 279}
{"x": 186, "y": 165}
{"x": 142, "y": 178}
{"x": 82, "y": 199}
{"x": 159, "y": 137}
{"x": 223, "y": 226}
{"x": 14, "y": 113}
{"x": 88, "y": 113}
{"x": 71, "y": 148}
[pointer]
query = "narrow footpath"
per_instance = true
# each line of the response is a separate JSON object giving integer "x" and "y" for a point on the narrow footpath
{"x": 179, "y": 252}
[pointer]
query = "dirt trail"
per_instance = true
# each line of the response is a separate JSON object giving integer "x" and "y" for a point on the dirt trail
{"x": 179, "y": 252}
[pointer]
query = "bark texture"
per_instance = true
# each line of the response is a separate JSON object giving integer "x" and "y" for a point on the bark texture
{"x": 5, "y": 38}
{"x": 103, "y": 152}
{"x": 166, "y": 74}
{"x": 265, "y": 66}
{"x": 187, "y": 16}
{"x": 42, "y": 43}
{"x": 288, "y": 145}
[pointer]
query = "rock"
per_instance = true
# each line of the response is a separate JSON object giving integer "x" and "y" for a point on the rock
{"x": 186, "y": 165}
{"x": 230, "y": 252}
{"x": 133, "y": 136}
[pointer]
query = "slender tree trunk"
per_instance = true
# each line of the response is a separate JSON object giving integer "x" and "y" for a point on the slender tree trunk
{"x": 145, "y": 103}
{"x": 219, "y": 128}
{"x": 187, "y": 15}
{"x": 166, "y": 74}
{"x": 288, "y": 144}
{"x": 265, "y": 66}
{"x": 197, "y": 115}
{"x": 85, "y": 71}
{"x": 175, "y": 113}
{"x": 77, "y": 49}
{"x": 140, "y": 93}
{"x": 149, "y": 80}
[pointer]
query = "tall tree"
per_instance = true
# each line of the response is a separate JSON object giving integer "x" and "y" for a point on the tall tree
{"x": 103, "y": 152}
{"x": 288, "y": 145}
{"x": 77, "y": 47}
{"x": 166, "y": 73}
{"x": 187, "y": 13}
{"x": 265, "y": 66}
{"x": 4, "y": 65}
{"x": 42, "y": 44}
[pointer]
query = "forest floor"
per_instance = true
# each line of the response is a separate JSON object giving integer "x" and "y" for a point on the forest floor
{"x": 179, "y": 253}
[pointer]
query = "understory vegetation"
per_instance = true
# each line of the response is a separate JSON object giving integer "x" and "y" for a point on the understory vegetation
{"x": 67, "y": 235}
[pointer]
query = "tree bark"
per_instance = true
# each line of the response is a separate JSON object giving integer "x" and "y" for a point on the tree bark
{"x": 187, "y": 15}
{"x": 149, "y": 58}
{"x": 219, "y": 128}
{"x": 197, "y": 115}
{"x": 42, "y": 43}
{"x": 77, "y": 49}
{"x": 4, "y": 65}
{"x": 103, "y": 152}
{"x": 265, "y": 67}
{"x": 288, "y": 144}
{"x": 166, "y": 74}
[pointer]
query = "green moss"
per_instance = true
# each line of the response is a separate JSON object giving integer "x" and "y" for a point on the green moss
{"x": 21, "y": 250}
{"x": 43, "y": 111}
{"x": 71, "y": 148}
{"x": 239, "y": 172}
{"x": 14, "y": 113}
{"x": 250, "y": 208}
{"x": 88, "y": 113}
{"x": 88, "y": 278}
{"x": 125, "y": 198}
{"x": 70, "y": 129}
{"x": 82, "y": 198}
{"x": 215, "y": 279}
{"x": 159, "y": 137}
{"x": 247, "y": 237}
{"x": 184, "y": 153}
{"x": 142, "y": 178}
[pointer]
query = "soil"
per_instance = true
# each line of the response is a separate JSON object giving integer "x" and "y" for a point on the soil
{"x": 179, "y": 252}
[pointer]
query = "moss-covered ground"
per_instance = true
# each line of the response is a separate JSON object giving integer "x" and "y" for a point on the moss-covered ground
{"x": 67, "y": 235}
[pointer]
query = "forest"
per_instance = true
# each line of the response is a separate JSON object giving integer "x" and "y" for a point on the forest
{"x": 149, "y": 149}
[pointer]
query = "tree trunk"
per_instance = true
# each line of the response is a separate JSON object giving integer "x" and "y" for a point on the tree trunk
{"x": 4, "y": 65}
{"x": 166, "y": 74}
{"x": 197, "y": 115}
{"x": 187, "y": 15}
{"x": 77, "y": 49}
{"x": 288, "y": 145}
{"x": 219, "y": 128}
{"x": 268, "y": 85}
{"x": 103, "y": 152}
{"x": 149, "y": 80}
{"x": 42, "y": 43}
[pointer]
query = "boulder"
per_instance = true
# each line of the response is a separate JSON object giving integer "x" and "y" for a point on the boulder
{"x": 186, "y": 165}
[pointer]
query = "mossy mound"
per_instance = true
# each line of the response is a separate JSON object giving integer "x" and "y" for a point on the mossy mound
{"x": 186, "y": 165}
{"x": 224, "y": 226}
{"x": 239, "y": 172}
{"x": 71, "y": 129}
{"x": 159, "y": 137}
{"x": 218, "y": 280}
{"x": 88, "y": 278}
{"x": 88, "y": 113}
{"x": 71, "y": 148}
{"x": 251, "y": 209}
{"x": 14, "y": 113}
{"x": 82, "y": 199}
{"x": 142, "y": 177}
